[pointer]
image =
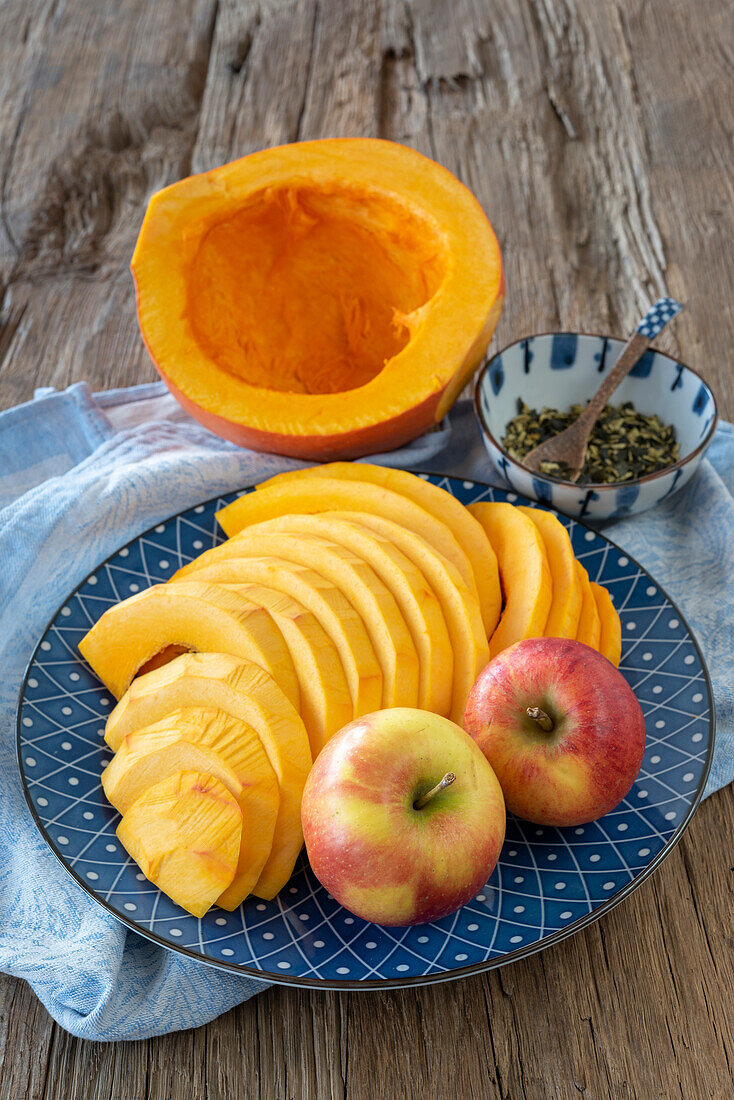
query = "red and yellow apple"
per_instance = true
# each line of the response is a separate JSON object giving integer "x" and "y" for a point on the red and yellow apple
{"x": 561, "y": 728}
{"x": 389, "y": 833}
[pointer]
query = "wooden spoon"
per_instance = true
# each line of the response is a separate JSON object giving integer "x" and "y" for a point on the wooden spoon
{"x": 569, "y": 446}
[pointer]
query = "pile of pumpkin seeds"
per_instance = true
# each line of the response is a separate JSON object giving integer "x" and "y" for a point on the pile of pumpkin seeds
{"x": 624, "y": 444}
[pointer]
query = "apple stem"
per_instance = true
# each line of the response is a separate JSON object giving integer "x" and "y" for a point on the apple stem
{"x": 544, "y": 720}
{"x": 442, "y": 784}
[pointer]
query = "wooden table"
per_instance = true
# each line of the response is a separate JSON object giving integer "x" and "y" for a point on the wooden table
{"x": 598, "y": 136}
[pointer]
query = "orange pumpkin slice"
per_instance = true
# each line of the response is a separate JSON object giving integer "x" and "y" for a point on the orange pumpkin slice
{"x": 365, "y": 623}
{"x": 589, "y": 629}
{"x": 440, "y": 504}
{"x": 563, "y": 618}
{"x": 326, "y": 703}
{"x": 386, "y": 589}
{"x": 336, "y": 614}
{"x": 203, "y": 739}
{"x": 329, "y": 494}
{"x": 526, "y": 577}
{"x": 184, "y": 834}
{"x": 610, "y": 640}
{"x": 200, "y": 617}
{"x": 459, "y": 604}
{"x": 245, "y": 691}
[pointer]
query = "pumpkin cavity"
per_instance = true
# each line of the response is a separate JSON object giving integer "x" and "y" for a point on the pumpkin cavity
{"x": 309, "y": 289}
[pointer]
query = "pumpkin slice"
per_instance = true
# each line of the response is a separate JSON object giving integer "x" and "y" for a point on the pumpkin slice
{"x": 321, "y": 299}
{"x": 332, "y": 495}
{"x": 201, "y": 617}
{"x": 326, "y": 702}
{"x": 526, "y": 577}
{"x": 610, "y": 639}
{"x": 589, "y": 629}
{"x": 331, "y": 608}
{"x": 370, "y": 633}
{"x": 563, "y": 619}
{"x": 460, "y": 606}
{"x": 247, "y": 692}
{"x": 184, "y": 834}
{"x": 203, "y": 739}
{"x": 387, "y": 590}
{"x": 440, "y": 504}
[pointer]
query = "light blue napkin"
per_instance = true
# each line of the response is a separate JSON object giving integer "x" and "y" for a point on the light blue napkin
{"x": 79, "y": 476}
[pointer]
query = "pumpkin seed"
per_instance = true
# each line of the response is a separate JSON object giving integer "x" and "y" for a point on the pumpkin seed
{"x": 623, "y": 446}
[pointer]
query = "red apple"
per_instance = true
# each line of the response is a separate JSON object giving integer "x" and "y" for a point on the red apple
{"x": 373, "y": 843}
{"x": 576, "y": 756}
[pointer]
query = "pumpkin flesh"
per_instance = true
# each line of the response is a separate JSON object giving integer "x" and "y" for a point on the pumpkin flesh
{"x": 305, "y": 291}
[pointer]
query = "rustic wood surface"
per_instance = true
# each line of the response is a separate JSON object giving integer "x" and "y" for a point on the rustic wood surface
{"x": 598, "y": 136}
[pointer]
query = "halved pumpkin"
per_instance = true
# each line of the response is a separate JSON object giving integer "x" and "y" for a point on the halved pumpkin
{"x": 324, "y": 299}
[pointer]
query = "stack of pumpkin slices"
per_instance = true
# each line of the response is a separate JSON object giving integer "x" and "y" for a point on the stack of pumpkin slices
{"x": 209, "y": 767}
{"x": 345, "y": 589}
{"x": 520, "y": 559}
{"x": 547, "y": 592}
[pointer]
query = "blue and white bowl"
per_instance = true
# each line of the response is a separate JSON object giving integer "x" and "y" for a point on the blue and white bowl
{"x": 564, "y": 369}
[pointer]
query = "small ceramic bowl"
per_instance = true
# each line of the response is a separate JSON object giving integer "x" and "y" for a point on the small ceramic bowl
{"x": 564, "y": 369}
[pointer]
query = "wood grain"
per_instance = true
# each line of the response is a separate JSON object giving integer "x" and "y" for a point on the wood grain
{"x": 598, "y": 136}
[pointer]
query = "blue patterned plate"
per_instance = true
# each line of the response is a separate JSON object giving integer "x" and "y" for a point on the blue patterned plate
{"x": 548, "y": 883}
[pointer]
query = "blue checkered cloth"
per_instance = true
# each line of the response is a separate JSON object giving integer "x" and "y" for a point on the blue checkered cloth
{"x": 79, "y": 476}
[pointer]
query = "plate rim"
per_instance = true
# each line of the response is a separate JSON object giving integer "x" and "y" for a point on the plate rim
{"x": 354, "y": 985}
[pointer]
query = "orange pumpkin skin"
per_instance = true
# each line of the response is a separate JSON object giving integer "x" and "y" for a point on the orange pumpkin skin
{"x": 324, "y": 300}
{"x": 320, "y": 448}
{"x": 385, "y": 435}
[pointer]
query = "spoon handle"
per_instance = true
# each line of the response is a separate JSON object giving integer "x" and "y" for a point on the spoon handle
{"x": 628, "y": 357}
{"x": 657, "y": 317}
{"x": 569, "y": 446}
{"x": 651, "y": 324}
